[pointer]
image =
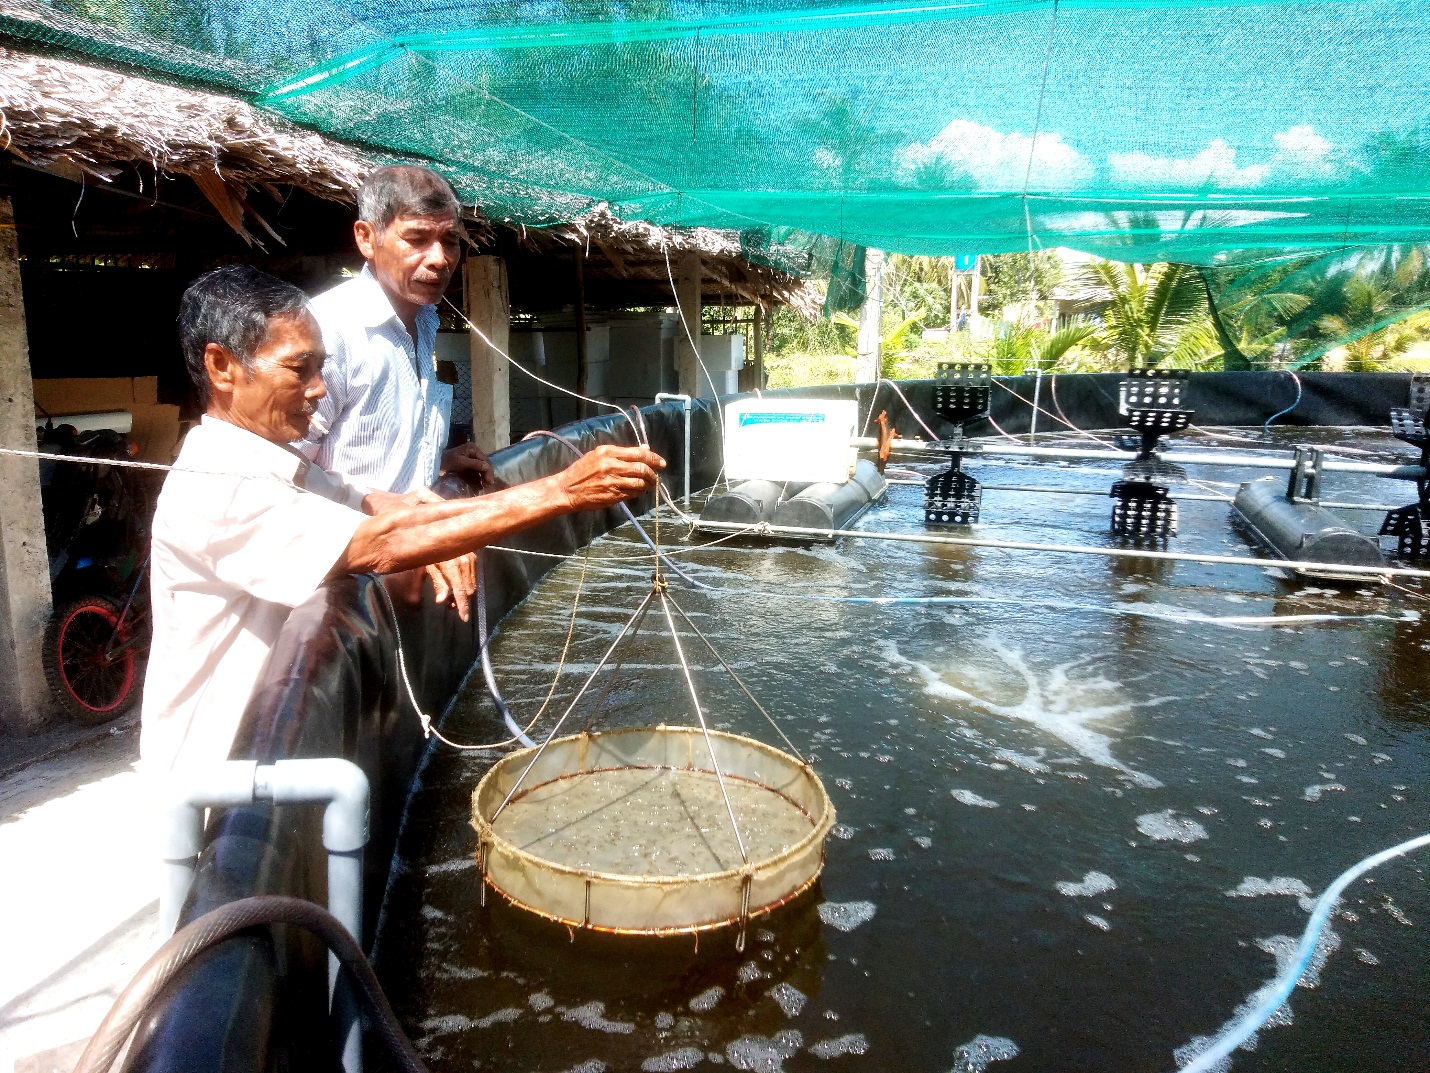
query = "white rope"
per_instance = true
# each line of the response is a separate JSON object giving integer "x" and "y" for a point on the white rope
{"x": 540, "y": 379}
{"x": 765, "y": 529}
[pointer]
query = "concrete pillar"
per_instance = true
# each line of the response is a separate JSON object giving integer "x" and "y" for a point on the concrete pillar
{"x": 871, "y": 316}
{"x": 24, "y": 563}
{"x": 489, "y": 308}
{"x": 687, "y": 296}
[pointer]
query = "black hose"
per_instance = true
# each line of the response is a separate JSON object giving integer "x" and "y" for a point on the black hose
{"x": 174, "y": 957}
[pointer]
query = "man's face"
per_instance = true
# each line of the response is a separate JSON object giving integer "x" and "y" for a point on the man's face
{"x": 415, "y": 256}
{"x": 273, "y": 398}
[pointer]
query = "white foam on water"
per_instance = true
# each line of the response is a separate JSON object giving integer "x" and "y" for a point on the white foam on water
{"x": 789, "y": 998}
{"x": 854, "y": 1043}
{"x": 590, "y": 1065}
{"x": 684, "y": 1058}
{"x": 1313, "y": 793}
{"x": 1364, "y": 955}
{"x": 1031, "y": 764}
{"x": 749, "y": 972}
{"x": 968, "y": 797}
{"x": 707, "y": 999}
{"x": 976, "y": 1055}
{"x": 1100, "y": 923}
{"x": 842, "y": 831}
{"x": 1167, "y": 826}
{"x": 1093, "y": 883}
{"x": 762, "y": 1054}
{"x": 1258, "y": 732}
{"x": 441, "y": 1026}
{"x": 1278, "y": 753}
{"x": 1355, "y": 739}
{"x": 664, "y": 1020}
{"x": 924, "y": 841}
{"x": 846, "y": 916}
{"x": 460, "y": 864}
{"x": 1253, "y": 887}
{"x": 881, "y": 853}
{"x": 541, "y": 1001}
{"x": 593, "y": 1016}
{"x": 1060, "y": 703}
{"x": 500, "y": 1017}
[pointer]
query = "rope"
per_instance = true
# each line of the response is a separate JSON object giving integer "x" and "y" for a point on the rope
{"x": 765, "y": 529}
{"x": 428, "y": 729}
{"x": 700, "y": 715}
{"x": 539, "y": 379}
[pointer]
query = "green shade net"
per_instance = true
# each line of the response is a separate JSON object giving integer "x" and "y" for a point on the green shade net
{"x": 1145, "y": 131}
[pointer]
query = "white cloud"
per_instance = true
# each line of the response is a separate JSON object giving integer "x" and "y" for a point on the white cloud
{"x": 1300, "y": 153}
{"x": 1213, "y": 166}
{"x": 997, "y": 161}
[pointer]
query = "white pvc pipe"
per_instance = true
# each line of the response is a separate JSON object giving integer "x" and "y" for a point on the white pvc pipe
{"x": 1298, "y": 565}
{"x": 1186, "y": 458}
{"x": 340, "y": 785}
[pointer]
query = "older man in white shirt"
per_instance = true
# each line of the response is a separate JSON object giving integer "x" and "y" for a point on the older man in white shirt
{"x": 246, "y": 529}
{"x": 384, "y": 423}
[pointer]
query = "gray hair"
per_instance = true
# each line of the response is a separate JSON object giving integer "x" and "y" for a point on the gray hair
{"x": 404, "y": 190}
{"x": 231, "y": 306}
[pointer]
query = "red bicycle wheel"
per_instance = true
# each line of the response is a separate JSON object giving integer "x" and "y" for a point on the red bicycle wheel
{"x": 90, "y": 670}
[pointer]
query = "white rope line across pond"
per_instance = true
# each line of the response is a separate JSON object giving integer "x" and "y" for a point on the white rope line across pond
{"x": 766, "y": 529}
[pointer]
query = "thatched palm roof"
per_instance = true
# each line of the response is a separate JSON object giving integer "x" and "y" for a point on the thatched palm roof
{"x": 78, "y": 120}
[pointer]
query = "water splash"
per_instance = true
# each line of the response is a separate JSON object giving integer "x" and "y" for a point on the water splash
{"x": 1061, "y": 703}
{"x": 684, "y": 1058}
{"x": 968, "y": 797}
{"x": 1167, "y": 826}
{"x": 854, "y": 1043}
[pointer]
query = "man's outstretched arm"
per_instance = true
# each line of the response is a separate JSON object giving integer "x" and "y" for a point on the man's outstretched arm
{"x": 432, "y": 532}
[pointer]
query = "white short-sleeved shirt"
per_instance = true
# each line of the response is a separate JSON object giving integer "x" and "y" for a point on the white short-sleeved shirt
{"x": 383, "y": 424}
{"x": 236, "y": 546}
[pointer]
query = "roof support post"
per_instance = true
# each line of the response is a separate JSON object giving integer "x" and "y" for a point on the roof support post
{"x": 868, "y": 362}
{"x": 687, "y": 297}
{"x": 489, "y": 308}
{"x": 24, "y": 562}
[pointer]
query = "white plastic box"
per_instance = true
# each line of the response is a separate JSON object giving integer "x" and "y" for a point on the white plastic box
{"x": 800, "y": 440}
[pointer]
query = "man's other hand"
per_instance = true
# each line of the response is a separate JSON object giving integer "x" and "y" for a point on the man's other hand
{"x": 455, "y": 580}
{"x": 470, "y": 462}
{"x": 610, "y": 475}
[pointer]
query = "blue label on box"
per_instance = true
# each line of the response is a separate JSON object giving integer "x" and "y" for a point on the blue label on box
{"x": 781, "y": 419}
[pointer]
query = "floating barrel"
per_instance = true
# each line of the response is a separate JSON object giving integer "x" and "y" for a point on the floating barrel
{"x": 749, "y": 502}
{"x": 1302, "y": 531}
{"x": 833, "y": 506}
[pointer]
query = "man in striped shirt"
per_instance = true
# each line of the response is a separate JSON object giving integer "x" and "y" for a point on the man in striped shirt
{"x": 382, "y": 427}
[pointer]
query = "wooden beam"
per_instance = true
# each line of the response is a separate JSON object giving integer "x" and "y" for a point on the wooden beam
{"x": 489, "y": 308}
{"x": 25, "y": 597}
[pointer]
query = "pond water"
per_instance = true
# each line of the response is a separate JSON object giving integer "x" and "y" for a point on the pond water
{"x": 1084, "y": 806}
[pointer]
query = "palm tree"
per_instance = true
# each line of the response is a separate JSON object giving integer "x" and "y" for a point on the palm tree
{"x": 1152, "y": 315}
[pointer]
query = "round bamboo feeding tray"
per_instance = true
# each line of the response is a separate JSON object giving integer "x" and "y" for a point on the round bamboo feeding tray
{"x": 629, "y": 831}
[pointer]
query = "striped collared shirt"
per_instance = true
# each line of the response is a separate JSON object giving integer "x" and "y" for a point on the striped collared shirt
{"x": 383, "y": 424}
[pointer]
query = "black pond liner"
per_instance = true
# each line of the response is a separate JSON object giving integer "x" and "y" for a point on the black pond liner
{"x": 257, "y": 1002}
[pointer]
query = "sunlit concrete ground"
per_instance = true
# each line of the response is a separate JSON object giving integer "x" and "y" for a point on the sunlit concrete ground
{"x": 78, "y": 908}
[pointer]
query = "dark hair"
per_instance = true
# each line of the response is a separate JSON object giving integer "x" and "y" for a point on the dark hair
{"x": 404, "y": 190}
{"x": 231, "y": 306}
